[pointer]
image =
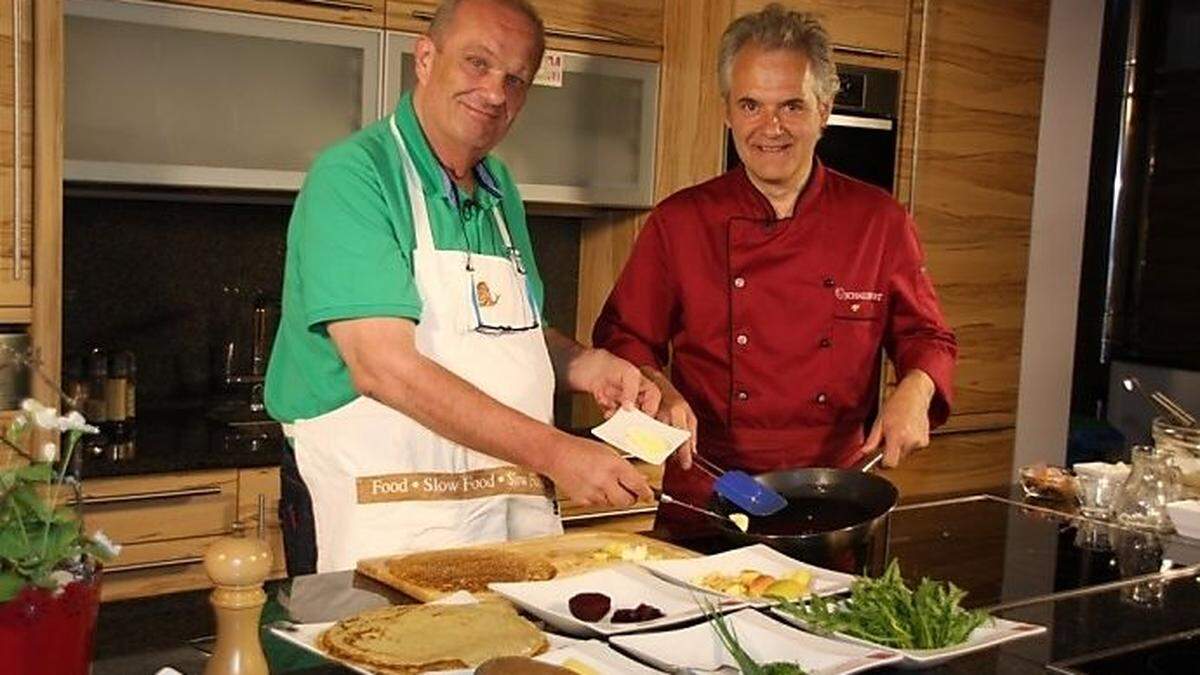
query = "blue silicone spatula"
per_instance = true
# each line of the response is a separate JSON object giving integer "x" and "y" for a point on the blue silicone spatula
{"x": 743, "y": 490}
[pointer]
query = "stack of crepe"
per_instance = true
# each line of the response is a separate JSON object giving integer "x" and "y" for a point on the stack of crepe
{"x": 417, "y": 638}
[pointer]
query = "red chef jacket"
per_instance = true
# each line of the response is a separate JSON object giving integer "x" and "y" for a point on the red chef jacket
{"x": 774, "y": 326}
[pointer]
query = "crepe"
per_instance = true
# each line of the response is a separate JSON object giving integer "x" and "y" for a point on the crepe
{"x": 468, "y": 569}
{"x": 415, "y": 638}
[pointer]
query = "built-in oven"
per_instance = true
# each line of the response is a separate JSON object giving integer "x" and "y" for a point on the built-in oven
{"x": 860, "y": 138}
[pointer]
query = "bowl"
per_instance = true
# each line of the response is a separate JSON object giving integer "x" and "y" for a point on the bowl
{"x": 1185, "y": 514}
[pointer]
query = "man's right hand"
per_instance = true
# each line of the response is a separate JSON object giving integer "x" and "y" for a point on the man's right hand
{"x": 592, "y": 474}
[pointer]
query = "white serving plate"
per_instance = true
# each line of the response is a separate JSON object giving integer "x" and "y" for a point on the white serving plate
{"x": 756, "y": 557}
{"x": 305, "y": 635}
{"x": 698, "y": 647}
{"x": 989, "y": 635}
{"x": 626, "y": 584}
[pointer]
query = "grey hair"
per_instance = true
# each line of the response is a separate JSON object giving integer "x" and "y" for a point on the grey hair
{"x": 445, "y": 15}
{"x": 775, "y": 27}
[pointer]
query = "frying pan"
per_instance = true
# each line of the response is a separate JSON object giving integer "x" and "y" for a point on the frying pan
{"x": 836, "y": 518}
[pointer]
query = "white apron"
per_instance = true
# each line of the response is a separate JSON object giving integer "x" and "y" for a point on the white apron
{"x": 382, "y": 483}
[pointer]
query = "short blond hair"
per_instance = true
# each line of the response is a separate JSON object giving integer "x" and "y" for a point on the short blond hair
{"x": 775, "y": 27}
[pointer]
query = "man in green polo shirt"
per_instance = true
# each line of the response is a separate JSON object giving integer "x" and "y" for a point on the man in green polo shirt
{"x": 412, "y": 371}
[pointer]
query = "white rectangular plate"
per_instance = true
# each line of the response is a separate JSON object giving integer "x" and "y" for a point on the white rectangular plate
{"x": 986, "y": 636}
{"x": 625, "y": 427}
{"x": 626, "y": 584}
{"x": 764, "y": 639}
{"x": 757, "y": 557}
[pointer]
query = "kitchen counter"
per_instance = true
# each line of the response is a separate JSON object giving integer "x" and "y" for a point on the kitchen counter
{"x": 188, "y": 440}
{"x": 1097, "y": 588}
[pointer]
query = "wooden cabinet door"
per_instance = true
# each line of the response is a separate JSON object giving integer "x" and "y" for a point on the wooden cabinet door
{"x": 977, "y": 138}
{"x": 353, "y": 12}
{"x": 16, "y": 152}
{"x": 872, "y": 26}
{"x": 637, "y": 23}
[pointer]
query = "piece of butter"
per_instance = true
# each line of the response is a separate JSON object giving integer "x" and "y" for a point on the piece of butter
{"x": 741, "y": 520}
{"x": 649, "y": 445}
{"x": 577, "y": 666}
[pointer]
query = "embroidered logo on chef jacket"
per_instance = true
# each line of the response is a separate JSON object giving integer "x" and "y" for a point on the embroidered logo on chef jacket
{"x": 861, "y": 303}
{"x": 427, "y": 487}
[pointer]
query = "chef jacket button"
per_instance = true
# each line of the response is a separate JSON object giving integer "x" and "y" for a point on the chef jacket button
{"x": 742, "y": 340}
{"x": 822, "y": 398}
{"x": 828, "y": 282}
{"x": 743, "y": 395}
{"x": 826, "y": 343}
{"x": 739, "y": 282}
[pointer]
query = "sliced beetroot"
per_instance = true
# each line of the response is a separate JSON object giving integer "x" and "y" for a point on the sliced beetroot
{"x": 642, "y": 612}
{"x": 590, "y": 607}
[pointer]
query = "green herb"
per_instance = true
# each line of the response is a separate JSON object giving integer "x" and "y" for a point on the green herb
{"x": 747, "y": 665}
{"x": 887, "y": 612}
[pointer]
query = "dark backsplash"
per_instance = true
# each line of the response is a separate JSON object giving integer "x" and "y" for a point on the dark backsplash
{"x": 169, "y": 278}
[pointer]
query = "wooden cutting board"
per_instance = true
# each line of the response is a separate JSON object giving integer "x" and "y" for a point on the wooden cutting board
{"x": 570, "y": 554}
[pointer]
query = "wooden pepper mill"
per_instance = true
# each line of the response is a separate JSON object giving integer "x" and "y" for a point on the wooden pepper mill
{"x": 238, "y": 565}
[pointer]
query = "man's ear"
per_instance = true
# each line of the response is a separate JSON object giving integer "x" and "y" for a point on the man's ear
{"x": 424, "y": 53}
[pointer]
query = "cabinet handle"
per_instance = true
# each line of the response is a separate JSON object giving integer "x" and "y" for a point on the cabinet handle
{"x": 146, "y": 496}
{"x": 426, "y": 15}
{"x": 916, "y": 139}
{"x": 155, "y": 564}
{"x": 866, "y": 51}
{"x": 16, "y": 55}
{"x": 337, "y": 4}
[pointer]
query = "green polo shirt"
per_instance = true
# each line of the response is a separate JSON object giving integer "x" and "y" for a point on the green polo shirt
{"x": 349, "y": 252}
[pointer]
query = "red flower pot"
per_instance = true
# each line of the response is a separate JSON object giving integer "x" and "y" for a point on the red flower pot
{"x": 46, "y": 634}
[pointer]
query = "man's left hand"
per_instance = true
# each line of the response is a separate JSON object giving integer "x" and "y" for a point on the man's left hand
{"x": 903, "y": 424}
{"x": 613, "y": 382}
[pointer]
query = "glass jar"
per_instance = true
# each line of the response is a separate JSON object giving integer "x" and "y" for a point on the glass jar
{"x": 1183, "y": 444}
{"x": 1153, "y": 482}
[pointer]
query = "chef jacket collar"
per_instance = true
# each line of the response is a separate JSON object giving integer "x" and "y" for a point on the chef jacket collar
{"x": 759, "y": 207}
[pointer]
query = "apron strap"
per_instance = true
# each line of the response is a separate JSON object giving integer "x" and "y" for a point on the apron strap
{"x": 416, "y": 194}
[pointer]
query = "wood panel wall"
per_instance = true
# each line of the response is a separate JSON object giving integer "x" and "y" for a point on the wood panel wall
{"x": 975, "y": 130}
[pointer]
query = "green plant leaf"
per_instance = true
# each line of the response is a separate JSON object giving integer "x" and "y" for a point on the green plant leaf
{"x": 8, "y": 479}
{"x": 12, "y": 544}
{"x": 10, "y": 584}
{"x": 37, "y": 473}
{"x": 25, "y": 497}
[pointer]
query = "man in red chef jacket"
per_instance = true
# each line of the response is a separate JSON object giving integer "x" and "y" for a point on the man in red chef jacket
{"x": 772, "y": 288}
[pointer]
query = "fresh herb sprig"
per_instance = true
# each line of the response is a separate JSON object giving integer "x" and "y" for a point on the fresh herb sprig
{"x": 887, "y": 612}
{"x": 746, "y": 664}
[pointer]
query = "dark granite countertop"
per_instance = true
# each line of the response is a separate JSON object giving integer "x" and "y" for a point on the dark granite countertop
{"x": 193, "y": 439}
{"x": 1097, "y": 588}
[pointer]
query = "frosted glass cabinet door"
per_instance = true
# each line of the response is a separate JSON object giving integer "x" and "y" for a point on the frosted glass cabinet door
{"x": 590, "y": 141}
{"x": 170, "y": 95}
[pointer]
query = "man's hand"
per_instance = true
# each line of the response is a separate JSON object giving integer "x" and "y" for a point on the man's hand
{"x": 674, "y": 410}
{"x": 903, "y": 424}
{"x": 613, "y": 382}
{"x": 591, "y": 474}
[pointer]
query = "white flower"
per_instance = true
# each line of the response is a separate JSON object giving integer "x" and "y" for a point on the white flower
{"x": 42, "y": 415}
{"x": 47, "y": 453}
{"x": 73, "y": 421}
{"x": 106, "y": 545}
{"x": 61, "y": 579}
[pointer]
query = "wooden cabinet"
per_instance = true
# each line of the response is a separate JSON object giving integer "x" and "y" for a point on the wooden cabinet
{"x": 17, "y": 78}
{"x": 878, "y": 27}
{"x": 164, "y": 523}
{"x": 976, "y": 135}
{"x": 252, "y": 483}
{"x": 630, "y": 28}
{"x": 353, "y": 12}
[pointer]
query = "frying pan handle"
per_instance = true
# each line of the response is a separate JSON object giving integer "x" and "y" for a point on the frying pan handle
{"x": 867, "y": 464}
